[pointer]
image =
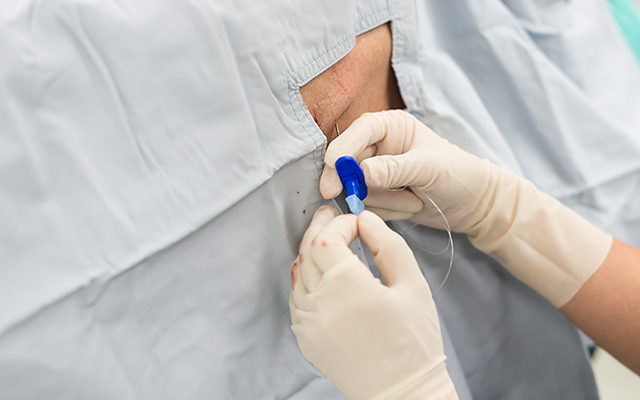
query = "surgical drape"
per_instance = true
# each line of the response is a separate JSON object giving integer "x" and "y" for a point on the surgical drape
{"x": 158, "y": 169}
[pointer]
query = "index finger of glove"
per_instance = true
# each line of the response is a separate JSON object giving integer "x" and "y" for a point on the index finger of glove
{"x": 308, "y": 271}
{"x": 364, "y": 132}
{"x": 331, "y": 245}
{"x": 330, "y": 185}
{"x": 323, "y": 215}
{"x": 393, "y": 256}
{"x": 358, "y": 141}
{"x": 386, "y": 132}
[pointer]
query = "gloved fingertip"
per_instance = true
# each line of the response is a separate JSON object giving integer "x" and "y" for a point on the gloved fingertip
{"x": 330, "y": 185}
{"x": 331, "y": 156}
{"x": 328, "y": 194}
{"x": 369, "y": 220}
{"x": 294, "y": 269}
{"x": 369, "y": 171}
{"x": 366, "y": 171}
{"x": 415, "y": 206}
{"x": 366, "y": 214}
{"x": 325, "y": 208}
{"x": 375, "y": 118}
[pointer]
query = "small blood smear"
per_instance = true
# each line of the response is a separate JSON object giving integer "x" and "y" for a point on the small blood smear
{"x": 294, "y": 266}
{"x": 304, "y": 211}
{"x": 324, "y": 244}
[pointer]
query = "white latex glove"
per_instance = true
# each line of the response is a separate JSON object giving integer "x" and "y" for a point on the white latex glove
{"x": 408, "y": 154}
{"x": 372, "y": 341}
{"x": 543, "y": 243}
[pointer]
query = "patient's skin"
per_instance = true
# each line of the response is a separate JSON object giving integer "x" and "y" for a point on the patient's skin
{"x": 362, "y": 81}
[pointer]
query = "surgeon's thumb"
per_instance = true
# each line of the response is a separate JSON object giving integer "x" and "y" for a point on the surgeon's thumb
{"x": 330, "y": 185}
{"x": 389, "y": 171}
{"x": 394, "y": 258}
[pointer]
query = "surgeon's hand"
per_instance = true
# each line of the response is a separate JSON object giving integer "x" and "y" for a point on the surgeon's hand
{"x": 395, "y": 150}
{"x": 543, "y": 243}
{"x": 372, "y": 341}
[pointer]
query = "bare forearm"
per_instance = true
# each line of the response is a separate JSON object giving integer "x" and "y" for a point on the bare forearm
{"x": 607, "y": 307}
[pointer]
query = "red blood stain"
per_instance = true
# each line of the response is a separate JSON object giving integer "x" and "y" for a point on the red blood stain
{"x": 293, "y": 276}
{"x": 313, "y": 242}
{"x": 297, "y": 192}
{"x": 316, "y": 120}
{"x": 324, "y": 243}
{"x": 304, "y": 211}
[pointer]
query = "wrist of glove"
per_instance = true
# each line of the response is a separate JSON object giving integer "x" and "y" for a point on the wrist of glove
{"x": 372, "y": 341}
{"x": 540, "y": 241}
{"x": 543, "y": 243}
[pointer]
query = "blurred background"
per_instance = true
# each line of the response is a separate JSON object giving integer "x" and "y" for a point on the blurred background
{"x": 615, "y": 381}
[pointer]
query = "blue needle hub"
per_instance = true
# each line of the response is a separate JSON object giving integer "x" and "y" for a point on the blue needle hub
{"x": 352, "y": 180}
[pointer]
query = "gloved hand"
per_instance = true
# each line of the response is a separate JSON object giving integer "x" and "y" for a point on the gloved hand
{"x": 408, "y": 154}
{"x": 543, "y": 243}
{"x": 372, "y": 341}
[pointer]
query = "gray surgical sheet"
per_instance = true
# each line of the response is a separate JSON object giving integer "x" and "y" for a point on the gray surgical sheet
{"x": 158, "y": 169}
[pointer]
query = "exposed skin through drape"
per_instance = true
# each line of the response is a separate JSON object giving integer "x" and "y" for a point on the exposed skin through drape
{"x": 362, "y": 81}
